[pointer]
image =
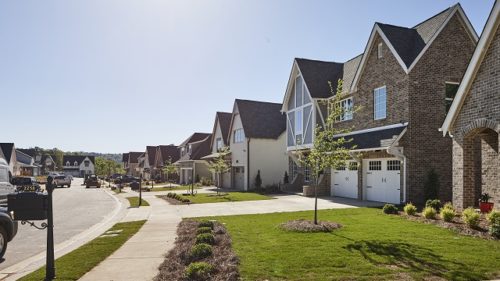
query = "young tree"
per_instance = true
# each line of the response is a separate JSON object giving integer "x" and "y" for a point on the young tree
{"x": 219, "y": 166}
{"x": 169, "y": 168}
{"x": 328, "y": 150}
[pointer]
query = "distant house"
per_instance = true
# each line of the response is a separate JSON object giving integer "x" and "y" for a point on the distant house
{"x": 45, "y": 162}
{"x": 131, "y": 164}
{"x": 473, "y": 122}
{"x": 218, "y": 142}
{"x": 140, "y": 165}
{"x": 149, "y": 162}
{"x": 9, "y": 152}
{"x": 78, "y": 165}
{"x": 190, "y": 164}
{"x": 164, "y": 153}
{"x": 257, "y": 136}
{"x": 26, "y": 164}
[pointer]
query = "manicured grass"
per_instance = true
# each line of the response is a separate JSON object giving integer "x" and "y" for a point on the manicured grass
{"x": 225, "y": 197}
{"x": 75, "y": 264}
{"x": 369, "y": 246}
{"x": 134, "y": 201}
{"x": 167, "y": 188}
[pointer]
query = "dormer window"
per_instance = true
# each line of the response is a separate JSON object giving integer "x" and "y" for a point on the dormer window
{"x": 75, "y": 164}
{"x": 67, "y": 163}
{"x": 380, "y": 50}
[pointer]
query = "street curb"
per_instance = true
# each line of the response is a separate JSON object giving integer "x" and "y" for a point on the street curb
{"x": 31, "y": 264}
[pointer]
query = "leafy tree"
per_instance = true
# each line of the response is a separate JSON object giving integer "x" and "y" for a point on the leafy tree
{"x": 58, "y": 155}
{"x": 220, "y": 166}
{"x": 328, "y": 150}
{"x": 169, "y": 169}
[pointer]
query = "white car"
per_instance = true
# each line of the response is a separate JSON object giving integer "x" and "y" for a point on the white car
{"x": 6, "y": 186}
{"x": 62, "y": 181}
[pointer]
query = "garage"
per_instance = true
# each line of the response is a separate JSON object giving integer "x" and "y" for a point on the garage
{"x": 383, "y": 180}
{"x": 344, "y": 181}
{"x": 239, "y": 177}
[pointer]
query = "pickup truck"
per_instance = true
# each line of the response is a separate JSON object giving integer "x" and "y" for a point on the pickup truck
{"x": 8, "y": 227}
{"x": 62, "y": 181}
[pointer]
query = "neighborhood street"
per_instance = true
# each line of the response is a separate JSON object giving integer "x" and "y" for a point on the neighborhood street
{"x": 76, "y": 209}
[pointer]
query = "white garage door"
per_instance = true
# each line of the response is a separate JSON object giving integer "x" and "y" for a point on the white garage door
{"x": 344, "y": 181}
{"x": 239, "y": 177}
{"x": 382, "y": 180}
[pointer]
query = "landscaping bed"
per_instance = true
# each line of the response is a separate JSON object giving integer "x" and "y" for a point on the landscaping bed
{"x": 201, "y": 198}
{"x": 202, "y": 251}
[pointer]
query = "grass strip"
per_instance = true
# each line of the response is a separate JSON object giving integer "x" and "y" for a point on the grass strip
{"x": 134, "y": 201}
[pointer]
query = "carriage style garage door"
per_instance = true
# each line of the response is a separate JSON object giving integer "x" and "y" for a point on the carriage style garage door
{"x": 344, "y": 181}
{"x": 383, "y": 179}
{"x": 239, "y": 177}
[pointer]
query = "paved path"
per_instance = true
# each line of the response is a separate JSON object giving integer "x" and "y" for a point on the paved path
{"x": 138, "y": 259}
{"x": 80, "y": 215}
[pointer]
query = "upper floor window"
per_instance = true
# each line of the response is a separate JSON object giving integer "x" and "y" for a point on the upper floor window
{"x": 346, "y": 106}
{"x": 379, "y": 103}
{"x": 451, "y": 91}
{"x": 189, "y": 149}
{"x": 238, "y": 135}
{"x": 218, "y": 144}
{"x": 182, "y": 150}
{"x": 298, "y": 126}
{"x": 87, "y": 163}
{"x": 380, "y": 50}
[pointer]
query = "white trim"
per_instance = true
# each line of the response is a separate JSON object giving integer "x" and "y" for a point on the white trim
{"x": 373, "y": 129}
{"x": 291, "y": 83}
{"x": 474, "y": 65}
{"x": 452, "y": 13}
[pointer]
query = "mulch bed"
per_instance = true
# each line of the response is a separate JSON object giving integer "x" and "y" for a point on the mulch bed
{"x": 303, "y": 225}
{"x": 223, "y": 258}
{"x": 172, "y": 201}
{"x": 457, "y": 225}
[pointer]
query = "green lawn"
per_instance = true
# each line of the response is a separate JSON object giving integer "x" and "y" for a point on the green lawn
{"x": 201, "y": 198}
{"x": 166, "y": 188}
{"x": 75, "y": 264}
{"x": 369, "y": 246}
{"x": 134, "y": 201}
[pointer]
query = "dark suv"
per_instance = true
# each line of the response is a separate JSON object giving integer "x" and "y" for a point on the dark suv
{"x": 92, "y": 181}
{"x": 8, "y": 229}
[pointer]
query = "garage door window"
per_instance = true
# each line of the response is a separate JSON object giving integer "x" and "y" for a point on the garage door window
{"x": 353, "y": 166}
{"x": 375, "y": 165}
{"x": 393, "y": 165}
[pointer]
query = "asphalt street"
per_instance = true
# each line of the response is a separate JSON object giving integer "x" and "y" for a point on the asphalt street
{"x": 75, "y": 210}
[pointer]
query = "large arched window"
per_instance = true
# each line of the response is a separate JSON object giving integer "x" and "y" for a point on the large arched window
{"x": 299, "y": 115}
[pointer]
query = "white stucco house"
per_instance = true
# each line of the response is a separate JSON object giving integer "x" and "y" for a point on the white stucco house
{"x": 78, "y": 165}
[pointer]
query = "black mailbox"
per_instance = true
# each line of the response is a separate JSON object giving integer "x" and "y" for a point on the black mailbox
{"x": 28, "y": 205}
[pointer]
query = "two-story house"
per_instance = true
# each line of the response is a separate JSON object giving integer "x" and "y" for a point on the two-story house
{"x": 131, "y": 163}
{"x": 473, "y": 122}
{"x": 149, "y": 162}
{"x": 78, "y": 165}
{"x": 191, "y": 166}
{"x": 403, "y": 83}
{"x": 44, "y": 162}
{"x": 218, "y": 143}
{"x": 26, "y": 164}
{"x": 9, "y": 153}
{"x": 257, "y": 135}
{"x": 165, "y": 154}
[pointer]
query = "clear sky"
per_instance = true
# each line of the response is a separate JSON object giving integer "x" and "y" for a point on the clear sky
{"x": 115, "y": 76}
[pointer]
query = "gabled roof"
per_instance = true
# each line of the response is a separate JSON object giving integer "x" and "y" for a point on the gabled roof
{"x": 8, "y": 150}
{"x": 317, "y": 74}
{"x": 151, "y": 150}
{"x": 201, "y": 149}
{"x": 194, "y": 138}
{"x": 125, "y": 157}
{"x": 409, "y": 44}
{"x": 482, "y": 47}
{"x": 133, "y": 157}
{"x": 224, "y": 121}
{"x": 261, "y": 119}
{"x": 23, "y": 157}
{"x": 169, "y": 152}
{"x": 78, "y": 158}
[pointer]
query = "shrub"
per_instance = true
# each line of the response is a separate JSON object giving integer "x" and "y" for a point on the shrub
{"x": 206, "y": 223}
{"x": 200, "y": 251}
{"x": 258, "y": 180}
{"x": 431, "y": 185}
{"x": 494, "y": 220}
{"x": 207, "y": 238}
{"x": 471, "y": 217}
{"x": 198, "y": 271}
{"x": 206, "y": 181}
{"x": 448, "y": 205}
{"x": 434, "y": 203}
{"x": 390, "y": 209}
{"x": 429, "y": 213}
{"x": 185, "y": 200}
{"x": 410, "y": 209}
{"x": 447, "y": 214}
{"x": 204, "y": 229}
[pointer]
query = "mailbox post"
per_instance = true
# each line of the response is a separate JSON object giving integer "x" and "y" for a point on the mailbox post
{"x": 50, "y": 270}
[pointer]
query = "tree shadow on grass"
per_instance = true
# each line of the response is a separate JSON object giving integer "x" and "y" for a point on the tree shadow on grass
{"x": 413, "y": 258}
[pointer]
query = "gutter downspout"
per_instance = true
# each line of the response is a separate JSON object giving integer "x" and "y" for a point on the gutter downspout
{"x": 248, "y": 164}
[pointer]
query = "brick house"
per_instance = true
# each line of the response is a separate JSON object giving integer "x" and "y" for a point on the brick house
{"x": 473, "y": 122}
{"x": 401, "y": 83}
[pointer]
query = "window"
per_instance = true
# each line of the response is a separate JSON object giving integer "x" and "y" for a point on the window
{"x": 87, "y": 163}
{"x": 341, "y": 167}
{"x": 346, "y": 107}
{"x": 380, "y": 50}
{"x": 239, "y": 135}
{"x": 307, "y": 174}
{"x": 292, "y": 169}
{"x": 353, "y": 166}
{"x": 375, "y": 165}
{"x": 379, "y": 103}
{"x": 75, "y": 163}
{"x": 451, "y": 91}
{"x": 67, "y": 163}
{"x": 182, "y": 150}
{"x": 298, "y": 91}
{"x": 218, "y": 144}
{"x": 298, "y": 126}
{"x": 189, "y": 149}
{"x": 393, "y": 165}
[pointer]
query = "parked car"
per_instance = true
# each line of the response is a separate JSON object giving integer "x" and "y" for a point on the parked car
{"x": 134, "y": 185}
{"x": 6, "y": 186}
{"x": 26, "y": 184}
{"x": 93, "y": 180}
{"x": 8, "y": 230}
{"x": 62, "y": 181}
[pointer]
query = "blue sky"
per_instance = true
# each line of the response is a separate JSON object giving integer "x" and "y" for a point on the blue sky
{"x": 115, "y": 76}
